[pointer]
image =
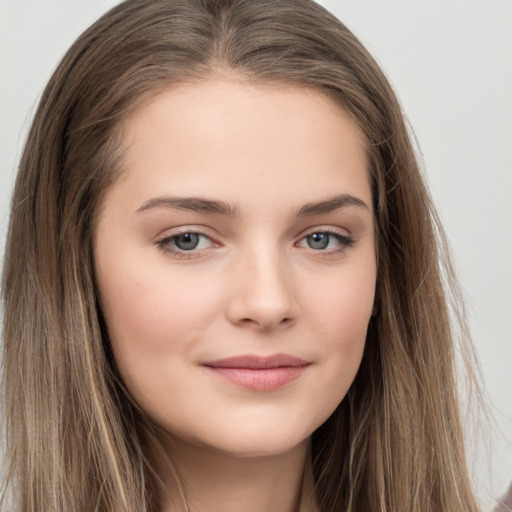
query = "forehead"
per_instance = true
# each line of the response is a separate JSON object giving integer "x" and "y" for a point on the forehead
{"x": 227, "y": 137}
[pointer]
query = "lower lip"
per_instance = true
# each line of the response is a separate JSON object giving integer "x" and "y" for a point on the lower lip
{"x": 266, "y": 379}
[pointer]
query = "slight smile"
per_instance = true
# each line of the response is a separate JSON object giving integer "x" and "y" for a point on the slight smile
{"x": 259, "y": 373}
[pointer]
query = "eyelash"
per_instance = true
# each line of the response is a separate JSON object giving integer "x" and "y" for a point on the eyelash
{"x": 165, "y": 243}
{"x": 345, "y": 241}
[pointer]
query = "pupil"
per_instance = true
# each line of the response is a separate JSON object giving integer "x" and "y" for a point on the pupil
{"x": 187, "y": 241}
{"x": 318, "y": 240}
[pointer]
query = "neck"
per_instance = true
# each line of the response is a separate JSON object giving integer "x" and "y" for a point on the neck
{"x": 217, "y": 482}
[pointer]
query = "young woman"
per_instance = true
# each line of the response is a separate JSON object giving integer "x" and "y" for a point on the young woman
{"x": 225, "y": 286}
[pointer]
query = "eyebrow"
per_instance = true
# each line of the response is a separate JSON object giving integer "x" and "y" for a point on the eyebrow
{"x": 194, "y": 204}
{"x": 330, "y": 205}
{"x": 202, "y": 205}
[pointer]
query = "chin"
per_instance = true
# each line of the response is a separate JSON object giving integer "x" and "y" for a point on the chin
{"x": 264, "y": 446}
{"x": 256, "y": 441}
{"x": 251, "y": 448}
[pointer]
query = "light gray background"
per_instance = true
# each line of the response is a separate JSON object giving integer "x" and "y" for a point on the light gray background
{"x": 450, "y": 62}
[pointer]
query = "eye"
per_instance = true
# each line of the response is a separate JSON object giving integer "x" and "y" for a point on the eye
{"x": 327, "y": 241}
{"x": 188, "y": 241}
{"x": 185, "y": 242}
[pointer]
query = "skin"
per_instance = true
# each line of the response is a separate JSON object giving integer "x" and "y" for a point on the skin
{"x": 257, "y": 283}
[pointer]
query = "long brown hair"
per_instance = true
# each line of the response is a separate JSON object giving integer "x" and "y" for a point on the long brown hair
{"x": 75, "y": 441}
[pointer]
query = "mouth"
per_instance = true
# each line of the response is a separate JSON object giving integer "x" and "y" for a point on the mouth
{"x": 258, "y": 373}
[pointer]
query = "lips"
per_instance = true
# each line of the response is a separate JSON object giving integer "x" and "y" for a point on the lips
{"x": 258, "y": 373}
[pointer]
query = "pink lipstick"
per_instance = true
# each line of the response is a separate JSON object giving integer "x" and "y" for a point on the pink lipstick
{"x": 259, "y": 373}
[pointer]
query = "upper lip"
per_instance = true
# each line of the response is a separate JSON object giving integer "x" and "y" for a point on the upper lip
{"x": 255, "y": 362}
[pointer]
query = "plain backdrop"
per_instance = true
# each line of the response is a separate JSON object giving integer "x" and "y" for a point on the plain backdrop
{"x": 450, "y": 62}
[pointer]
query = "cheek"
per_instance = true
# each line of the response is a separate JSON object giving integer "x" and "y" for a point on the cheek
{"x": 152, "y": 317}
{"x": 341, "y": 304}
{"x": 139, "y": 295}
{"x": 340, "y": 315}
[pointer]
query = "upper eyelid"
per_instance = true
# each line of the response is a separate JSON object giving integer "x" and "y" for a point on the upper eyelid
{"x": 205, "y": 231}
{"x": 337, "y": 230}
{"x": 180, "y": 230}
{"x": 342, "y": 237}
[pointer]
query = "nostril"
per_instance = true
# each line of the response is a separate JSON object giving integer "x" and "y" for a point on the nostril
{"x": 250, "y": 321}
{"x": 263, "y": 324}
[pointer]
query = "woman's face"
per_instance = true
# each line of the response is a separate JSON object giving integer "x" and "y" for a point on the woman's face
{"x": 235, "y": 261}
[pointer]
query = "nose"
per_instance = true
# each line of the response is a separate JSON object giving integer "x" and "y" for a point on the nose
{"x": 263, "y": 292}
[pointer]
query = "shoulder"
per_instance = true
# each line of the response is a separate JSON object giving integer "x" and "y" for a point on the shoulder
{"x": 505, "y": 503}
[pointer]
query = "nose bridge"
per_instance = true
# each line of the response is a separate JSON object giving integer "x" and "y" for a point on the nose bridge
{"x": 264, "y": 293}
